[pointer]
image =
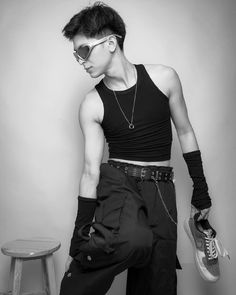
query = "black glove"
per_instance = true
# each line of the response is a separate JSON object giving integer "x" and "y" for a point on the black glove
{"x": 200, "y": 198}
{"x": 85, "y": 213}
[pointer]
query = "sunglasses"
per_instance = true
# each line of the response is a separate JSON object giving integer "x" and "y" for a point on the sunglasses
{"x": 84, "y": 51}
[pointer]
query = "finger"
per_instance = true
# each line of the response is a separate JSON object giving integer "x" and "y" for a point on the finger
{"x": 207, "y": 215}
{"x": 204, "y": 214}
{"x": 201, "y": 216}
{"x": 193, "y": 211}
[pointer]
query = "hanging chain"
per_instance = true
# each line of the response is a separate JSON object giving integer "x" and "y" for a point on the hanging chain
{"x": 162, "y": 200}
{"x": 131, "y": 125}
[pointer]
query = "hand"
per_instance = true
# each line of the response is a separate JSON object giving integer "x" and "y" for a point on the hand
{"x": 204, "y": 213}
{"x": 68, "y": 262}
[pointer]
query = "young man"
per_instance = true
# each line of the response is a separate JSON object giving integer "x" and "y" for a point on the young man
{"x": 132, "y": 107}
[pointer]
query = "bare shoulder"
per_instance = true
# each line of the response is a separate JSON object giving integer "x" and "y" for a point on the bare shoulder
{"x": 161, "y": 70}
{"x": 91, "y": 106}
{"x": 163, "y": 76}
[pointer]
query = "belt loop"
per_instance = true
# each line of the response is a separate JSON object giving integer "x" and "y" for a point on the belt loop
{"x": 172, "y": 176}
{"x": 142, "y": 173}
{"x": 157, "y": 175}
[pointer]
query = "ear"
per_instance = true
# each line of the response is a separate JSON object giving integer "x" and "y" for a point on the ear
{"x": 112, "y": 43}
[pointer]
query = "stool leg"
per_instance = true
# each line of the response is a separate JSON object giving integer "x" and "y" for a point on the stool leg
{"x": 45, "y": 283}
{"x": 10, "y": 282}
{"x": 17, "y": 272}
{"x": 48, "y": 268}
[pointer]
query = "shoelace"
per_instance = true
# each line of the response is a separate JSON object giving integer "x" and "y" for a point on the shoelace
{"x": 211, "y": 246}
{"x": 214, "y": 247}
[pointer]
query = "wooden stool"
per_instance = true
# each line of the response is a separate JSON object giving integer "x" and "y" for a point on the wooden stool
{"x": 29, "y": 249}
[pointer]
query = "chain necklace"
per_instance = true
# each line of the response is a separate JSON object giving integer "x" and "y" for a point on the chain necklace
{"x": 131, "y": 125}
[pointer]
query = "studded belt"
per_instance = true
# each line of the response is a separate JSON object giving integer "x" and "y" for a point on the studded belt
{"x": 144, "y": 173}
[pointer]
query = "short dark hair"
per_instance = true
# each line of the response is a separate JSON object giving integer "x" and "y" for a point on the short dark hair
{"x": 95, "y": 21}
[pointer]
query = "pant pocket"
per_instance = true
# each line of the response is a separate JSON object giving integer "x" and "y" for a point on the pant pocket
{"x": 92, "y": 260}
{"x": 101, "y": 247}
{"x": 109, "y": 210}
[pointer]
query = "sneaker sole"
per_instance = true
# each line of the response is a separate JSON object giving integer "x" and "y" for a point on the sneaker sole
{"x": 209, "y": 278}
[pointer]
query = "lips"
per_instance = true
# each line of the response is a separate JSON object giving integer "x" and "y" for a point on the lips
{"x": 87, "y": 69}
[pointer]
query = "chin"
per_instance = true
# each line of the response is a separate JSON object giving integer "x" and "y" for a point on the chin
{"x": 95, "y": 75}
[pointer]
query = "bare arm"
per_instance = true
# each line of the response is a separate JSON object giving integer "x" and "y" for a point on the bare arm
{"x": 183, "y": 126}
{"x": 179, "y": 114}
{"x": 168, "y": 81}
{"x": 94, "y": 144}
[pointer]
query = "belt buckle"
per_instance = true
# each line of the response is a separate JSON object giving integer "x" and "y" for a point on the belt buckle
{"x": 135, "y": 172}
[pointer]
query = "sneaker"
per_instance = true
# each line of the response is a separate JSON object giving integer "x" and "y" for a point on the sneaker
{"x": 206, "y": 247}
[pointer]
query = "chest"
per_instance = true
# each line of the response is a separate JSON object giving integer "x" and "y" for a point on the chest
{"x": 151, "y": 108}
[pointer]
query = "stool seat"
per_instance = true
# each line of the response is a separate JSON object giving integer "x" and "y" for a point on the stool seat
{"x": 30, "y": 248}
{"x": 22, "y": 250}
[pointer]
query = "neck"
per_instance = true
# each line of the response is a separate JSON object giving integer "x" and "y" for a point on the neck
{"x": 120, "y": 74}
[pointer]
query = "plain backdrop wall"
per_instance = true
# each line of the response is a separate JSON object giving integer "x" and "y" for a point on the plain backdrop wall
{"x": 41, "y": 144}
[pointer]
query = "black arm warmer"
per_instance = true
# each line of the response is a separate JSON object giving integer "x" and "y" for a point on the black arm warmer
{"x": 85, "y": 213}
{"x": 200, "y": 198}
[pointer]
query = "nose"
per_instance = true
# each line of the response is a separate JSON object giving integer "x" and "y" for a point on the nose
{"x": 81, "y": 61}
{"x": 85, "y": 67}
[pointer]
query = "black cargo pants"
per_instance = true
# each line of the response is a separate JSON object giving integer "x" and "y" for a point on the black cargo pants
{"x": 157, "y": 274}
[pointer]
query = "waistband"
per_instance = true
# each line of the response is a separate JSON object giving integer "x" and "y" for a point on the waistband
{"x": 160, "y": 173}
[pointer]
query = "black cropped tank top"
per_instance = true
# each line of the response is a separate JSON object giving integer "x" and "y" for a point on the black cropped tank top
{"x": 151, "y": 138}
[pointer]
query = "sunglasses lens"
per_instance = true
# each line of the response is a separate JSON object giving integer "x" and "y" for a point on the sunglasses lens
{"x": 83, "y": 51}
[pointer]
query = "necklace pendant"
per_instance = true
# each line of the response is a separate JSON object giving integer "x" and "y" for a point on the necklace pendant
{"x": 131, "y": 126}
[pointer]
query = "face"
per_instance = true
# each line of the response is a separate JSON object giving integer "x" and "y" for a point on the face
{"x": 94, "y": 54}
